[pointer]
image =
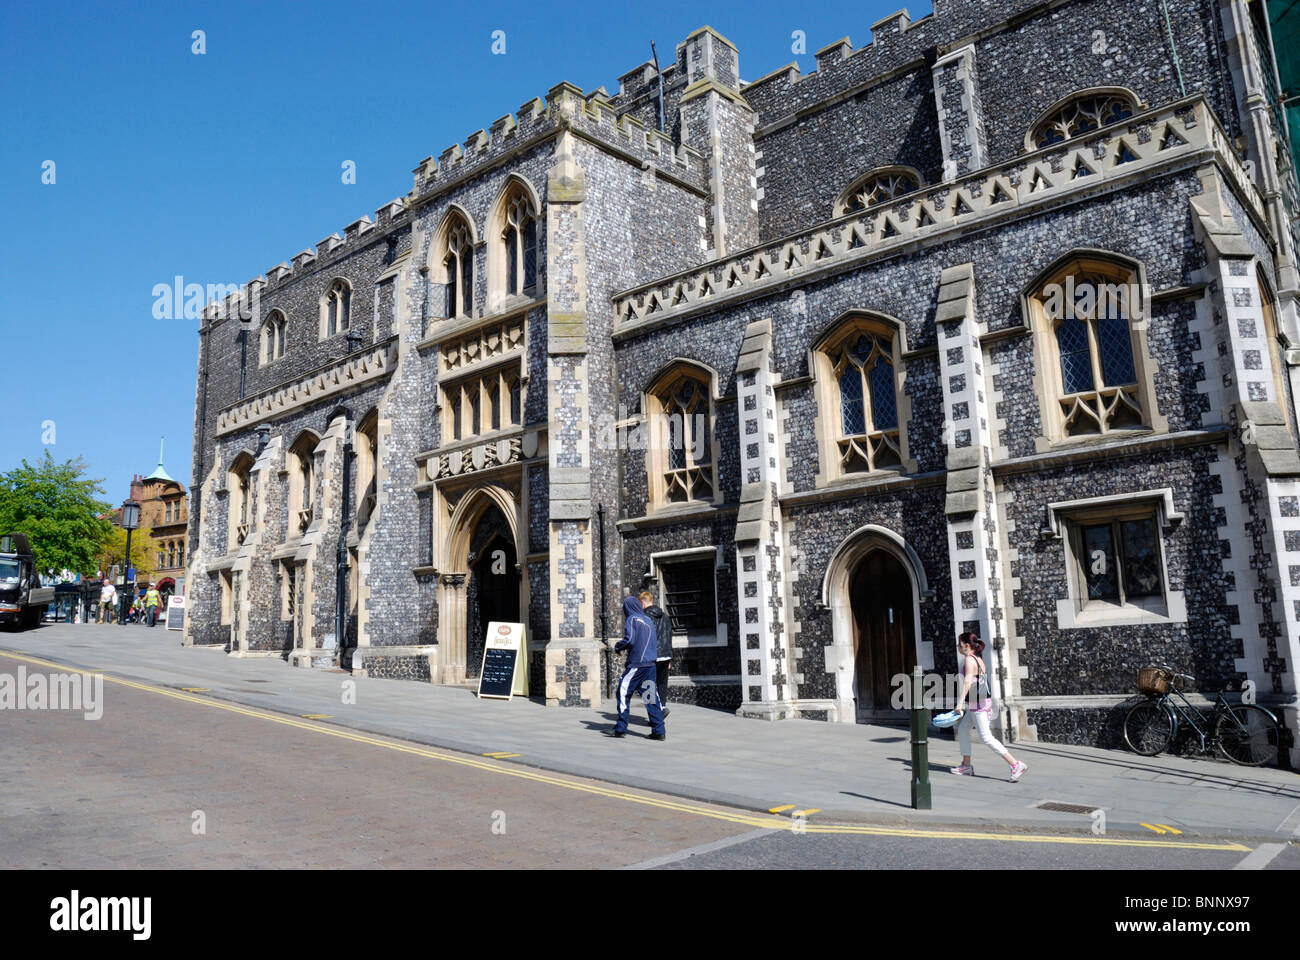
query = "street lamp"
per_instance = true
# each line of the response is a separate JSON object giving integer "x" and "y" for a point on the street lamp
{"x": 130, "y": 520}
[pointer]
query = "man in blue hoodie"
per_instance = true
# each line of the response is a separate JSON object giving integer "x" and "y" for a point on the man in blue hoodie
{"x": 642, "y": 648}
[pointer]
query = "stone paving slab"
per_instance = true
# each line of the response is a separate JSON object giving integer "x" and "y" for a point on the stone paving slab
{"x": 846, "y": 771}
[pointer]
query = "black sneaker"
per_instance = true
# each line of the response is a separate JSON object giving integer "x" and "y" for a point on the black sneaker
{"x": 614, "y": 733}
{"x": 658, "y": 736}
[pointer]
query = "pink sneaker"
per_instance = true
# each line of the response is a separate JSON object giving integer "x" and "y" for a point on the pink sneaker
{"x": 1018, "y": 770}
{"x": 965, "y": 770}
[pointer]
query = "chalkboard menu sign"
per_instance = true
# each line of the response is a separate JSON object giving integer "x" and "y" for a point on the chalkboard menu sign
{"x": 497, "y": 679}
{"x": 176, "y": 613}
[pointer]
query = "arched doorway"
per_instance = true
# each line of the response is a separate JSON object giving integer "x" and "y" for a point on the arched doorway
{"x": 493, "y": 594}
{"x": 873, "y": 589}
{"x": 480, "y": 581}
{"x": 884, "y": 642}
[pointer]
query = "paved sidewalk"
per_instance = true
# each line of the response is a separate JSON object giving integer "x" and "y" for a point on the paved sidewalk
{"x": 845, "y": 771}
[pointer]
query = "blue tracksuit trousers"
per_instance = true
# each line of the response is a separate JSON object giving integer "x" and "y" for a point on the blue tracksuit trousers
{"x": 639, "y": 680}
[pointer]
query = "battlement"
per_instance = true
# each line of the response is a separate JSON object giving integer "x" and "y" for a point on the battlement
{"x": 896, "y": 41}
{"x": 595, "y": 114}
{"x": 306, "y": 260}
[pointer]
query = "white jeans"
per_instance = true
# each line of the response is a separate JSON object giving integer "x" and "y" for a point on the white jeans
{"x": 981, "y": 720}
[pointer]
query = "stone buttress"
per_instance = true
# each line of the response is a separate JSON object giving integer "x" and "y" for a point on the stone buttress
{"x": 973, "y": 536}
{"x": 573, "y": 655}
{"x": 767, "y": 685}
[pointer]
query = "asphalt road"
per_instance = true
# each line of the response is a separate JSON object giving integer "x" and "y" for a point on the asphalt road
{"x": 176, "y": 779}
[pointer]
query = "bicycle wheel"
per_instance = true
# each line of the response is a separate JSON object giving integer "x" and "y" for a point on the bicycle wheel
{"x": 1148, "y": 728}
{"x": 1248, "y": 735}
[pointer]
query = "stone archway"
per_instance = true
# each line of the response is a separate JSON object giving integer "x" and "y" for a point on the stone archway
{"x": 866, "y": 572}
{"x": 483, "y": 515}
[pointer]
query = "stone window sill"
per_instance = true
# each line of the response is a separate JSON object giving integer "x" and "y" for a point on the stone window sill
{"x": 1150, "y": 612}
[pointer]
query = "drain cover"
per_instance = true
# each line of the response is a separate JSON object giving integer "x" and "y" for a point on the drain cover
{"x": 1058, "y": 807}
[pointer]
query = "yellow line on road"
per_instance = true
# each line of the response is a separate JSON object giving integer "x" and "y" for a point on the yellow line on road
{"x": 316, "y": 716}
{"x": 806, "y": 813}
{"x": 613, "y": 793}
{"x": 788, "y": 806}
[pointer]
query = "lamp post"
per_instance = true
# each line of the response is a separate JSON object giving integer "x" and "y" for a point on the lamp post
{"x": 130, "y": 520}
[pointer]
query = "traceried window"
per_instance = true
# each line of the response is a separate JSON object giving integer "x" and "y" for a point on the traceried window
{"x": 681, "y": 438}
{"x": 862, "y": 364}
{"x": 240, "y": 503}
{"x": 458, "y": 269}
{"x": 336, "y": 308}
{"x": 273, "y": 337}
{"x": 482, "y": 404}
{"x": 367, "y": 467}
{"x": 1082, "y": 114}
{"x": 301, "y": 482}
{"x": 1085, "y": 319}
{"x": 878, "y": 186}
{"x": 520, "y": 239}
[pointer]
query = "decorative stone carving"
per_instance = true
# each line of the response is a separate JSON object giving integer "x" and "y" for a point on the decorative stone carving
{"x": 480, "y": 457}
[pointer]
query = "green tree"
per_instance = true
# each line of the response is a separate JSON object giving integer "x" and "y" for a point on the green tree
{"x": 60, "y": 511}
{"x": 144, "y": 551}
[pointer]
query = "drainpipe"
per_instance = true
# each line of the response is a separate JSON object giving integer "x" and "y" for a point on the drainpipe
{"x": 341, "y": 558}
{"x": 1173, "y": 48}
{"x": 604, "y": 624}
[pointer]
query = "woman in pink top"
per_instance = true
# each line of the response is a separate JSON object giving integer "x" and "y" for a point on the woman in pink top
{"x": 969, "y": 647}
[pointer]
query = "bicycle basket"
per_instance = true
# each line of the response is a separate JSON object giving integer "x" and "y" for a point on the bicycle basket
{"x": 1153, "y": 681}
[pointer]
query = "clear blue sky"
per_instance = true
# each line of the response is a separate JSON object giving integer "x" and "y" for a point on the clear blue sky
{"x": 217, "y": 167}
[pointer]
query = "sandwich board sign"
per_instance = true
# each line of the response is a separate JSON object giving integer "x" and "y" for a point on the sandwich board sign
{"x": 501, "y": 676}
{"x": 175, "y": 613}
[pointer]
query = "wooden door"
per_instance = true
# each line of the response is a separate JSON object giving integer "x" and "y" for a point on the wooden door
{"x": 883, "y": 631}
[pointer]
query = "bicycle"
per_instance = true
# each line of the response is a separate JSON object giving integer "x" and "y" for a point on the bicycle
{"x": 1245, "y": 733}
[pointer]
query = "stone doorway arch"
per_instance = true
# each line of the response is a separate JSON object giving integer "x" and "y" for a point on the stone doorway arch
{"x": 495, "y": 510}
{"x": 865, "y": 574}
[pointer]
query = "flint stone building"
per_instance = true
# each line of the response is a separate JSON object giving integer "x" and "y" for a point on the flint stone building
{"x": 988, "y": 324}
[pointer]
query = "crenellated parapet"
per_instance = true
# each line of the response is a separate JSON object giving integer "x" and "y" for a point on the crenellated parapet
{"x": 356, "y": 234}
{"x": 897, "y": 43}
{"x": 1185, "y": 133}
{"x": 593, "y": 115}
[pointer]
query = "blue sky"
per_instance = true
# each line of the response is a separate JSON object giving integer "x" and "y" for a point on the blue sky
{"x": 216, "y": 167}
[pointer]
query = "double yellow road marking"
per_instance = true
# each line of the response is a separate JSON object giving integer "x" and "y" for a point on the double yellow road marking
{"x": 770, "y": 821}
{"x": 1161, "y": 828}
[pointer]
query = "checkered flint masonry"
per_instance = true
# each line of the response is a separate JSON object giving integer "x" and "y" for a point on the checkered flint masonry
{"x": 843, "y": 290}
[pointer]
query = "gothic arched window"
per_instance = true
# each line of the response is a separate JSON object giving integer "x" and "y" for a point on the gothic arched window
{"x": 458, "y": 268}
{"x": 336, "y": 308}
{"x": 878, "y": 186}
{"x": 1090, "y": 351}
{"x": 680, "y": 433}
{"x": 273, "y": 337}
{"x": 862, "y": 424}
{"x": 1081, "y": 113}
{"x": 863, "y": 366}
{"x": 520, "y": 240}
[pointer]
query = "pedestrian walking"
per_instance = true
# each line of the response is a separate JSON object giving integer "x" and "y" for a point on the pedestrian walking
{"x": 664, "y": 634}
{"x": 152, "y": 599}
{"x": 969, "y": 648}
{"x": 107, "y": 601}
{"x": 642, "y": 647}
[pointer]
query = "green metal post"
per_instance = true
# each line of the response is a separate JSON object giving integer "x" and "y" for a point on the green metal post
{"x": 920, "y": 746}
